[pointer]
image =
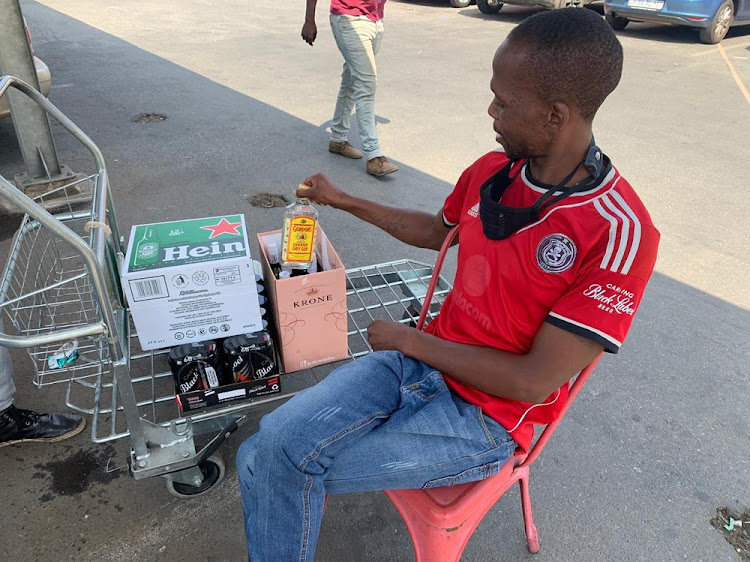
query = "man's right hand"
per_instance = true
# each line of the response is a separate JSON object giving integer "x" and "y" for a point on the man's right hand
{"x": 309, "y": 32}
{"x": 322, "y": 191}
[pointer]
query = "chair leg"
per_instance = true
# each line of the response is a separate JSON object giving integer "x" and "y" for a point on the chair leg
{"x": 433, "y": 543}
{"x": 532, "y": 538}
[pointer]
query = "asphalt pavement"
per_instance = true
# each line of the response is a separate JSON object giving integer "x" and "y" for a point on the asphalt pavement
{"x": 660, "y": 436}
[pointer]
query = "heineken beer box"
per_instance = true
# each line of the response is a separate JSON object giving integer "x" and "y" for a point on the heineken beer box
{"x": 191, "y": 280}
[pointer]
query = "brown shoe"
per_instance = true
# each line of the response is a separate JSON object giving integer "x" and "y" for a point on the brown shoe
{"x": 379, "y": 166}
{"x": 345, "y": 149}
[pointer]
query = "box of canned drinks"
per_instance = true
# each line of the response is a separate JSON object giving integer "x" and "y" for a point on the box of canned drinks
{"x": 211, "y": 373}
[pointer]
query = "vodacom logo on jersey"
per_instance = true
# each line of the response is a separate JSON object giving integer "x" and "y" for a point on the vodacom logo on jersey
{"x": 611, "y": 298}
{"x": 466, "y": 306}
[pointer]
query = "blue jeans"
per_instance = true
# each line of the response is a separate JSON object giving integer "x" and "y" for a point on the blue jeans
{"x": 385, "y": 421}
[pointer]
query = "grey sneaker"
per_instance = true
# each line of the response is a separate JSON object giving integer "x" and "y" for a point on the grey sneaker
{"x": 379, "y": 166}
{"x": 345, "y": 149}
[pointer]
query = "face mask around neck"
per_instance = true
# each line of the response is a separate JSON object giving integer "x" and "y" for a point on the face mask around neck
{"x": 501, "y": 221}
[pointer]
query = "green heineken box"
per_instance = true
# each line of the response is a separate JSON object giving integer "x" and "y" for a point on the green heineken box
{"x": 191, "y": 280}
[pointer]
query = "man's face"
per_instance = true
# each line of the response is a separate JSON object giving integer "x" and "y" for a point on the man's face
{"x": 520, "y": 117}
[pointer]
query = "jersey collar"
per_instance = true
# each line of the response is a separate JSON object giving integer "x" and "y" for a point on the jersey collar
{"x": 526, "y": 177}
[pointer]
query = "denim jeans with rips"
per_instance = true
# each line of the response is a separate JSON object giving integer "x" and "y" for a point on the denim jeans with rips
{"x": 385, "y": 421}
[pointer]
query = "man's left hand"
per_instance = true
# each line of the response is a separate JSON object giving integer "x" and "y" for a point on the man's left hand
{"x": 385, "y": 335}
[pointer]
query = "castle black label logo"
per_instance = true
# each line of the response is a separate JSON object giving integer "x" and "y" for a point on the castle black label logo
{"x": 556, "y": 253}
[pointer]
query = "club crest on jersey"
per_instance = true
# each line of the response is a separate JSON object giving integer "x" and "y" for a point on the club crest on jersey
{"x": 556, "y": 253}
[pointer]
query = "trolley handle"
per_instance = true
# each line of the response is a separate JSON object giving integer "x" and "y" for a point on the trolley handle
{"x": 93, "y": 255}
{"x": 53, "y": 337}
{"x": 101, "y": 183}
{"x": 26, "y": 204}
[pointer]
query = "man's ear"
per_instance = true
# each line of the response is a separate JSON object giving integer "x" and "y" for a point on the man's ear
{"x": 559, "y": 115}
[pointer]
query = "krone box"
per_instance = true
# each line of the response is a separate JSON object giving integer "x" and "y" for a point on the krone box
{"x": 310, "y": 310}
{"x": 191, "y": 280}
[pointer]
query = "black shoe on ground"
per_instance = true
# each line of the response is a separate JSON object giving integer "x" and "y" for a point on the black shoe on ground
{"x": 17, "y": 426}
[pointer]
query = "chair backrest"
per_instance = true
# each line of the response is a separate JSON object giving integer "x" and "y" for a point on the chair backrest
{"x": 550, "y": 428}
{"x": 574, "y": 389}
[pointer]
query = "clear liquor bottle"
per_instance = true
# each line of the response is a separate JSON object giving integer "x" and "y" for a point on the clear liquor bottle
{"x": 299, "y": 234}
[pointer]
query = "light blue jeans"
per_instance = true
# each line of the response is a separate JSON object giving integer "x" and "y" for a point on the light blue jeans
{"x": 358, "y": 39}
{"x": 384, "y": 421}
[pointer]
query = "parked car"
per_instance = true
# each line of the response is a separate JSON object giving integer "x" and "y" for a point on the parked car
{"x": 42, "y": 73}
{"x": 461, "y": 3}
{"x": 494, "y": 6}
{"x": 713, "y": 18}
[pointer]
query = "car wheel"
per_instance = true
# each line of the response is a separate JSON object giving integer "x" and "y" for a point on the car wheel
{"x": 489, "y": 6}
{"x": 617, "y": 23}
{"x": 719, "y": 24}
{"x": 460, "y": 3}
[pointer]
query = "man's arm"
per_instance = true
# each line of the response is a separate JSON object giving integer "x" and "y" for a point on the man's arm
{"x": 417, "y": 228}
{"x": 309, "y": 29}
{"x": 555, "y": 357}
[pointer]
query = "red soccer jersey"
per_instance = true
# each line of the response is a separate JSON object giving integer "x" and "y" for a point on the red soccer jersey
{"x": 372, "y": 9}
{"x": 583, "y": 266}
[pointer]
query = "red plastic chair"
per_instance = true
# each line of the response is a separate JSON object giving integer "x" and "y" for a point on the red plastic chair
{"x": 442, "y": 520}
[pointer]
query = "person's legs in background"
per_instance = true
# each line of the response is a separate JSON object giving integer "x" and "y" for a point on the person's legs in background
{"x": 342, "y": 117}
{"x": 359, "y": 40}
{"x": 17, "y": 425}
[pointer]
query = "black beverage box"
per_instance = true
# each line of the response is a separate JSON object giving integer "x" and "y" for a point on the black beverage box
{"x": 199, "y": 399}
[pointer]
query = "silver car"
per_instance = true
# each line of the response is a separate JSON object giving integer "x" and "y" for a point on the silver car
{"x": 494, "y": 6}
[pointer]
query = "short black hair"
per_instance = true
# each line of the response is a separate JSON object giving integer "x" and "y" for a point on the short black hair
{"x": 573, "y": 55}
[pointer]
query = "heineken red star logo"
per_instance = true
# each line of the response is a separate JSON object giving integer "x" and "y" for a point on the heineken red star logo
{"x": 224, "y": 227}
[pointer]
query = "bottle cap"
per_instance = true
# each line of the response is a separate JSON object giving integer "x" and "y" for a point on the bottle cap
{"x": 285, "y": 274}
{"x": 301, "y": 187}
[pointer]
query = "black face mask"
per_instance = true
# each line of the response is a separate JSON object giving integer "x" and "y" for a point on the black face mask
{"x": 500, "y": 221}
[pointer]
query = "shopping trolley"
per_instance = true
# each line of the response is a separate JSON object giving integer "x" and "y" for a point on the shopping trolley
{"x": 60, "y": 290}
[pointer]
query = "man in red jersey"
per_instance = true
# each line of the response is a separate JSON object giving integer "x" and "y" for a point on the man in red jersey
{"x": 554, "y": 254}
{"x": 358, "y": 29}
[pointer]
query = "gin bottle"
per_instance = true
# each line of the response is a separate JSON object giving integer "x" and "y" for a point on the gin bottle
{"x": 299, "y": 234}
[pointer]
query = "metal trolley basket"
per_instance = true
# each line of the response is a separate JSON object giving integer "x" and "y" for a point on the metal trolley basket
{"x": 60, "y": 290}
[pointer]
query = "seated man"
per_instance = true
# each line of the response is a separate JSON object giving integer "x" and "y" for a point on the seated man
{"x": 554, "y": 255}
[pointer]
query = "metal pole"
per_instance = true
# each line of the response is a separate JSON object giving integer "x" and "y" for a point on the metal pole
{"x": 30, "y": 120}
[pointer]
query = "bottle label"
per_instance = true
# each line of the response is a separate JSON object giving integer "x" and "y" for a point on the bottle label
{"x": 148, "y": 250}
{"x": 299, "y": 239}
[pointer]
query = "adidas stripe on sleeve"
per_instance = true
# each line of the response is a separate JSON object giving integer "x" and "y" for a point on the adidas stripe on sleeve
{"x": 602, "y": 301}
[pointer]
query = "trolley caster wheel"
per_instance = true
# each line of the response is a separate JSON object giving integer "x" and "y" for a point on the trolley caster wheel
{"x": 213, "y": 470}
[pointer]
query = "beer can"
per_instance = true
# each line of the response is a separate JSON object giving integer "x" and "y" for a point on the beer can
{"x": 196, "y": 366}
{"x": 250, "y": 356}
